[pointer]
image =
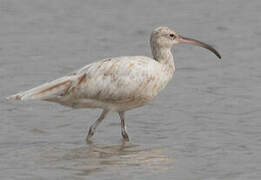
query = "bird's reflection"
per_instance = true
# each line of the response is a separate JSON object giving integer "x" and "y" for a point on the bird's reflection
{"x": 94, "y": 158}
{"x": 106, "y": 151}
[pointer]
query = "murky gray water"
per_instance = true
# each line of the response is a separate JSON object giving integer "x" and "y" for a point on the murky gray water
{"x": 205, "y": 125}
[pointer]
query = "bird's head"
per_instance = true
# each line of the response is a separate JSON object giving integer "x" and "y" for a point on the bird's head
{"x": 164, "y": 37}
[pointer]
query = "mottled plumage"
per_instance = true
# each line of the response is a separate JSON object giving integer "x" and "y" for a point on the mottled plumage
{"x": 115, "y": 84}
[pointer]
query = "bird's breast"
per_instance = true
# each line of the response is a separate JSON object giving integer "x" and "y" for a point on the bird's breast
{"x": 156, "y": 82}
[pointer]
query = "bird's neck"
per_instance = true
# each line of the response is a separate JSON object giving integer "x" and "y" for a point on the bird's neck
{"x": 163, "y": 56}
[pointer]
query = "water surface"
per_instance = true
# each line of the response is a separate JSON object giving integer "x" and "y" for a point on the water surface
{"x": 205, "y": 125}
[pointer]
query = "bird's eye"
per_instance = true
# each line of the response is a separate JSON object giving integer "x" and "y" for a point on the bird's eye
{"x": 172, "y": 35}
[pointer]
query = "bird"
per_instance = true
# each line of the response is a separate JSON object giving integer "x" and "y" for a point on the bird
{"x": 116, "y": 84}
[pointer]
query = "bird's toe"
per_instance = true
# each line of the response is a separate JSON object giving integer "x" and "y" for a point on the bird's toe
{"x": 125, "y": 136}
{"x": 90, "y": 133}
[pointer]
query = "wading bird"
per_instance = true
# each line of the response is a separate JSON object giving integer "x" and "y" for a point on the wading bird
{"x": 116, "y": 84}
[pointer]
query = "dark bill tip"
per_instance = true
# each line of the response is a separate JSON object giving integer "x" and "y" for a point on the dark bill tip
{"x": 199, "y": 43}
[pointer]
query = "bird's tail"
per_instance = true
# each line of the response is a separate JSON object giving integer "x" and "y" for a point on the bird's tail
{"x": 45, "y": 91}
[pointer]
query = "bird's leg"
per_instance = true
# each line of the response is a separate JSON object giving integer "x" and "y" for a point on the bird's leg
{"x": 96, "y": 123}
{"x": 123, "y": 126}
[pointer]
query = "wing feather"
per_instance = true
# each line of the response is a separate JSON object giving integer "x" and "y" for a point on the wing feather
{"x": 116, "y": 79}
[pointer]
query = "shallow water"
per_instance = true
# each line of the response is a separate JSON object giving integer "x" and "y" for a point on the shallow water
{"x": 205, "y": 125}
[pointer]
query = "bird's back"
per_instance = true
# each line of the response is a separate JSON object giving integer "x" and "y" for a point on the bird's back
{"x": 113, "y": 83}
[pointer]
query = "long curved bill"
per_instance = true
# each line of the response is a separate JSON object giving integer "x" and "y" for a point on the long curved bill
{"x": 198, "y": 43}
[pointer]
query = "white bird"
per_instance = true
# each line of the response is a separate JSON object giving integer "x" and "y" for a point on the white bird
{"x": 116, "y": 84}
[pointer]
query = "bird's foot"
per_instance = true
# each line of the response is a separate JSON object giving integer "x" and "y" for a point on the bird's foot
{"x": 90, "y": 134}
{"x": 125, "y": 136}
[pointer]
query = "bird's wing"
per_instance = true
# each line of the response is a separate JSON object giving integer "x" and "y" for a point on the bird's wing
{"x": 115, "y": 79}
